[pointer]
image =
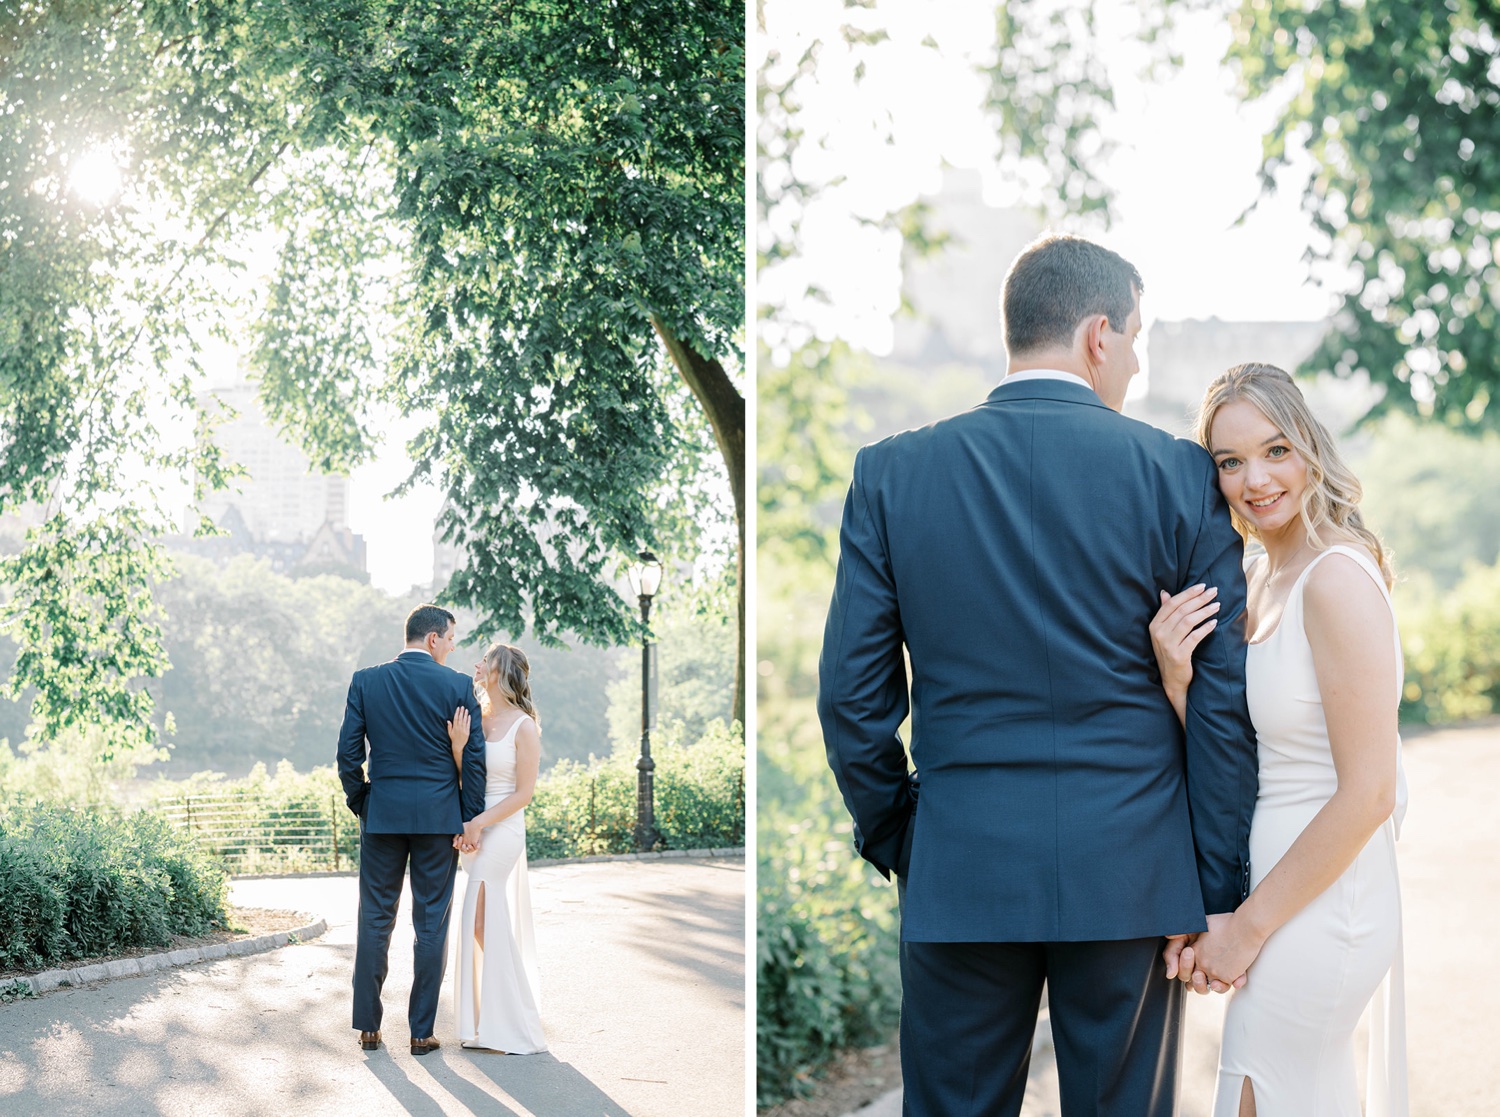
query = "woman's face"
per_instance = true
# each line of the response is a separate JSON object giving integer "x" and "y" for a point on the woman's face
{"x": 1260, "y": 474}
{"x": 482, "y": 673}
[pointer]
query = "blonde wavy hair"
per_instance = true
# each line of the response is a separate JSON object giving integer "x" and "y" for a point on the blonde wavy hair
{"x": 1330, "y": 502}
{"x": 514, "y": 671}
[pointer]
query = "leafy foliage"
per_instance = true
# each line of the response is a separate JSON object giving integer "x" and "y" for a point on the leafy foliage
{"x": 585, "y": 809}
{"x": 1452, "y": 645}
{"x": 512, "y": 256}
{"x": 1396, "y": 104}
{"x": 578, "y": 809}
{"x": 1429, "y": 493}
{"x": 562, "y": 219}
{"x": 826, "y": 932}
{"x": 261, "y": 667}
{"x": 84, "y": 883}
{"x": 69, "y": 769}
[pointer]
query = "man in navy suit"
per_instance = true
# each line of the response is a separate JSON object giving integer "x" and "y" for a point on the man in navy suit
{"x": 410, "y": 811}
{"x": 1065, "y": 821}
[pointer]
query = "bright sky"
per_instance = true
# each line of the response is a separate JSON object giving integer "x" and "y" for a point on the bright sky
{"x": 1185, "y": 169}
{"x": 398, "y": 532}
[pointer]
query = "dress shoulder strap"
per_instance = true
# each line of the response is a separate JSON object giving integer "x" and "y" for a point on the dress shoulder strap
{"x": 1366, "y": 563}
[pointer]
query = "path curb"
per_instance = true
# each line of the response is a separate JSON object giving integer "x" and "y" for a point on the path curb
{"x": 49, "y": 980}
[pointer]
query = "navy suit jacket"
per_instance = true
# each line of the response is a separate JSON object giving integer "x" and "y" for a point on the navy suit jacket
{"x": 1015, "y": 552}
{"x": 402, "y": 708}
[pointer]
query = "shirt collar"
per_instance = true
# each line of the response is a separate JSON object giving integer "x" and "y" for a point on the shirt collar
{"x": 1048, "y": 374}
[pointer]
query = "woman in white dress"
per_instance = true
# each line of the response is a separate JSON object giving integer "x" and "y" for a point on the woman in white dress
{"x": 498, "y": 995}
{"x": 1319, "y": 937}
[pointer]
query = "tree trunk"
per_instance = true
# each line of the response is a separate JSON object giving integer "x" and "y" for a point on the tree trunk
{"x": 725, "y": 408}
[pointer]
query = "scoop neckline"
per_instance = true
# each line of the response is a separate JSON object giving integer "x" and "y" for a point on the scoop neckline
{"x": 509, "y": 731}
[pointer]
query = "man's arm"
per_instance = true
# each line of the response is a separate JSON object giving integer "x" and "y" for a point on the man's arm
{"x": 473, "y": 775}
{"x": 1220, "y": 741}
{"x": 862, "y": 686}
{"x": 351, "y": 755}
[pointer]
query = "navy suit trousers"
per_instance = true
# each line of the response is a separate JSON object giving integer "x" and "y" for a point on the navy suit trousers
{"x": 383, "y": 861}
{"x": 969, "y": 1011}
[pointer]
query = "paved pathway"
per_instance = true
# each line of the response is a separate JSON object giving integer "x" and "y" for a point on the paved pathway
{"x": 1450, "y": 882}
{"x": 643, "y": 972}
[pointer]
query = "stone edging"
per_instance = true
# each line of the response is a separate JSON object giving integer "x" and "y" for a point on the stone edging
{"x": 540, "y": 862}
{"x": 48, "y": 980}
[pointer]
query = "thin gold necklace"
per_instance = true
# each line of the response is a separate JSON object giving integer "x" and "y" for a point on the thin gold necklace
{"x": 1271, "y": 575}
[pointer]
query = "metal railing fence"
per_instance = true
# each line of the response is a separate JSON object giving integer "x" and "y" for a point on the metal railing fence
{"x": 259, "y": 833}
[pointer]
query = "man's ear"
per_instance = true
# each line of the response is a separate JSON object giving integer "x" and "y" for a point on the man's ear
{"x": 1094, "y": 335}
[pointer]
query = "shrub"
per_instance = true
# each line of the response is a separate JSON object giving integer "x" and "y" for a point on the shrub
{"x": 1452, "y": 646}
{"x": 284, "y": 821}
{"x": 826, "y": 952}
{"x": 32, "y": 914}
{"x": 79, "y": 883}
{"x": 584, "y": 809}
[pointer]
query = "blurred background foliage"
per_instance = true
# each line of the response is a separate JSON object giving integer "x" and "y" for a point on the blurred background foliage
{"x": 260, "y": 664}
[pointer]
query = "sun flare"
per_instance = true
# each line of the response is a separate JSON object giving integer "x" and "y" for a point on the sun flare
{"x": 96, "y": 176}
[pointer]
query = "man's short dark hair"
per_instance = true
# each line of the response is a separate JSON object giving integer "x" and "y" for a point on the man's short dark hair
{"x": 1057, "y": 282}
{"x": 427, "y": 618}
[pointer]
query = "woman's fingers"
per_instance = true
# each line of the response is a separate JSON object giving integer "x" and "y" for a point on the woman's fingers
{"x": 1189, "y": 599}
{"x": 1174, "y": 626}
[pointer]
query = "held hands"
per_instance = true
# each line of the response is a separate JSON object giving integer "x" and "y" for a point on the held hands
{"x": 1180, "y": 625}
{"x": 1206, "y": 961}
{"x": 469, "y": 841}
{"x": 458, "y": 728}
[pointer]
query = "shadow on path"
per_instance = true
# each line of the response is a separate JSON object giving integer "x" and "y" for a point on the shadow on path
{"x": 271, "y": 1033}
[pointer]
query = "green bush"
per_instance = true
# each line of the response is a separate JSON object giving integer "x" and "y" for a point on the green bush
{"x": 284, "y": 821}
{"x": 267, "y": 822}
{"x": 34, "y": 907}
{"x": 700, "y": 790}
{"x": 80, "y": 883}
{"x": 826, "y": 951}
{"x": 580, "y": 810}
{"x": 584, "y": 809}
{"x": 1452, "y": 645}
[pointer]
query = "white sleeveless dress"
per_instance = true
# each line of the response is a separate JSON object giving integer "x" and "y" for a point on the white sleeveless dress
{"x": 1291, "y": 1028}
{"x": 498, "y": 994}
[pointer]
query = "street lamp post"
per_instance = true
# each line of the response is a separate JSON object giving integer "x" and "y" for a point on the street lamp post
{"x": 645, "y": 579}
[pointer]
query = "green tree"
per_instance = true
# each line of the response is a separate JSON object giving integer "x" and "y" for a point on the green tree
{"x": 1430, "y": 493}
{"x": 571, "y": 177}
{"x": 1393, "y": 104}
{"x": 1397, "y": 105}
{"x": 261, "y": 665}
{"x": 505, "y": 218}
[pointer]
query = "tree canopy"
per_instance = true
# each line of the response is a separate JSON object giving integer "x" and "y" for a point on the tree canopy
{"x": 1392, "y": 106}
{"x": 1397, "y": 105}
{"x": 514, "y": 220}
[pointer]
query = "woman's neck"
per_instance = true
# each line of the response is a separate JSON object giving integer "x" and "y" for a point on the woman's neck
{"x": 1286, "y": 547}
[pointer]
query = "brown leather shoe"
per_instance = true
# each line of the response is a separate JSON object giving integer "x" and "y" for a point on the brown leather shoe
{"x": 422, "y": 1046}
{"x": 369, "y": 1040}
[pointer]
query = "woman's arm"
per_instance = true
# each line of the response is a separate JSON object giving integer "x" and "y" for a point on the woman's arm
{"x": 1350, "y": 629}
{"x": 528, "y": 763}
{"x": 458, "y": 736}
